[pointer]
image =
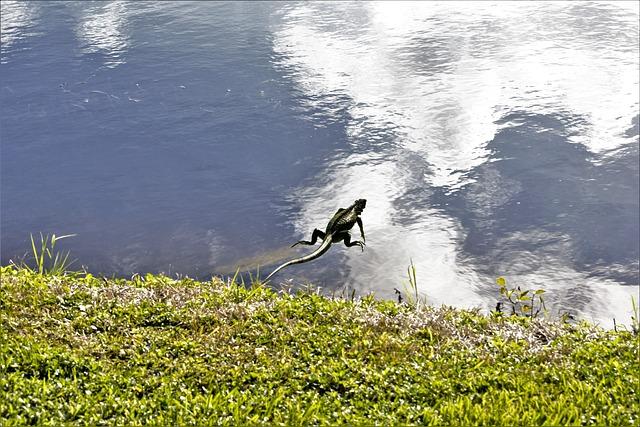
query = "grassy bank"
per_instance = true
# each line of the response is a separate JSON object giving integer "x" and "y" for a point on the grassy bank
{"x": 81, "y": 349}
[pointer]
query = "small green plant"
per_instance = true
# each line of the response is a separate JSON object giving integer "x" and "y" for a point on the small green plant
{"x": 522, "y": 303}
{"x": 47, "y": 260}
{"x": 411, "y": 290}
{"x": 635, "y": 317}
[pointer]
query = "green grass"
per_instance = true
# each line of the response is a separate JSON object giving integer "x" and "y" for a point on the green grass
{"x": 45, "y": 257}
{"x": 77, "y": 349}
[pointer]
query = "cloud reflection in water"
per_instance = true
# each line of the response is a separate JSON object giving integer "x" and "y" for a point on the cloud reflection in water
{"x": 438, "y": 79}
{"x": 18, "y": 20}
{"x": 103, "y": 30}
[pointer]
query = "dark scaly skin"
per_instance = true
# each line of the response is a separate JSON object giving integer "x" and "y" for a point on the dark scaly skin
{"x": 337, "y": 231}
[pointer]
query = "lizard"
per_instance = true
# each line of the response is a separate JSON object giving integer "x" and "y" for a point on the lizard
{"x": 337, "y": 230}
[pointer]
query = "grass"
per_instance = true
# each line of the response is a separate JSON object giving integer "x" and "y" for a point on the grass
{"x": 78, "y": 349}
{"x": 46, "y": 260}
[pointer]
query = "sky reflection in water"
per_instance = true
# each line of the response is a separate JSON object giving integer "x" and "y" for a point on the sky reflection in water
{"x": 193, "y": 137}
{"x": 454, "y": 84}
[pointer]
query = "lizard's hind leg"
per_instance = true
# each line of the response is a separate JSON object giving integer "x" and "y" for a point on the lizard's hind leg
{"x": 347, "y": 240}
{"x": 317, "y": 234}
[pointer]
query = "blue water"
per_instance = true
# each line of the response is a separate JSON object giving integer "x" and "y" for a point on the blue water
{"x": 195, "y": 138}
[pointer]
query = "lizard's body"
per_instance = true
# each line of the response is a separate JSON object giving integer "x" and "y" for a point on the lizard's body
{"x": 337, "y": 230}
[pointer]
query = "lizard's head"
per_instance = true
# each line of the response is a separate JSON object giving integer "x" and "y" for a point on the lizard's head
{"x": 359, "y": 205}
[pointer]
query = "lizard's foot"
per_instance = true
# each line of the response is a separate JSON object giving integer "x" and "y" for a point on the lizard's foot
{"x": 347, "y": 241}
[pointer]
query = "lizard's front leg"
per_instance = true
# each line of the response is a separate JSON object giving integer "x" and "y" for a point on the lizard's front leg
{"x": 317, "y": 234}
{"x": 347, "y": 240}
{"x": 359, "y": 222}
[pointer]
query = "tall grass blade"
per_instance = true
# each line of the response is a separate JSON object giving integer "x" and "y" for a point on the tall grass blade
{"x": 411, "y": 290}
{"x": 635, "y": 318}
{"x": 47, "y": 260}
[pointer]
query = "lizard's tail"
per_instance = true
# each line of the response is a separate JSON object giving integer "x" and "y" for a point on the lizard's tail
{"x": 324, "y": 247}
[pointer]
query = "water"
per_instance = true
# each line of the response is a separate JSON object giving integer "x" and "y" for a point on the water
{"x": 190, "y": 138}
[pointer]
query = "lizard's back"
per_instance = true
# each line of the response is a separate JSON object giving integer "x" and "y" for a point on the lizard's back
{"x": 342, "y": 220}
